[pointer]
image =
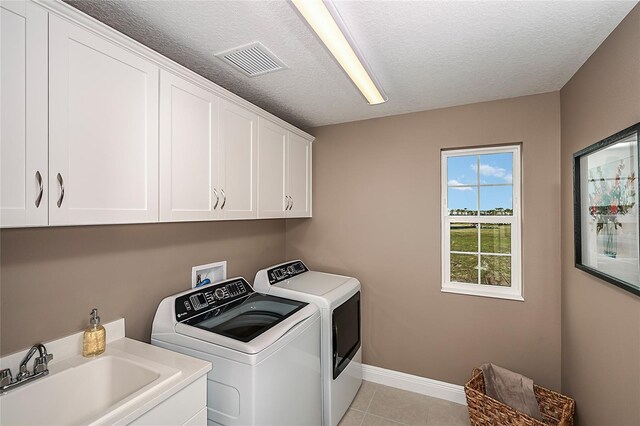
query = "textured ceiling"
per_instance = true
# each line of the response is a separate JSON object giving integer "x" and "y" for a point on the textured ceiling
{"x": 426, "y": 54}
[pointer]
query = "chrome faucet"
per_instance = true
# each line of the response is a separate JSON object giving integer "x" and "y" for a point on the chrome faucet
{"x": 40, "y": 369}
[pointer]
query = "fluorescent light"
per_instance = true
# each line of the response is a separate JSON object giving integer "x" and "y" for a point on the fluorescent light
{"x": 317, "y": 15}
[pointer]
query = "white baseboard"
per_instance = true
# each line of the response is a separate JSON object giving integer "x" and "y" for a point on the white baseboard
{"x": 409, "y": 382}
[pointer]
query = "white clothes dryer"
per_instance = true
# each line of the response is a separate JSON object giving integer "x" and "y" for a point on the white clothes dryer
{"x": 265, "y": 352}
{"x": 338, "y": 298}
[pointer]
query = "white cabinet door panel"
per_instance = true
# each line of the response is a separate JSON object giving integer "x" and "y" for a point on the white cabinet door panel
{"x": 180, "y": 408}
{"x": 239, "y": 151}
{"x": 23, "y": 115}
{"x": 188, "y": 150}
{"x": 299, "y": 176}
{"x": 200, "y": 419}
{"x": 271, "y": 170}
{"x": 103, "y": 130}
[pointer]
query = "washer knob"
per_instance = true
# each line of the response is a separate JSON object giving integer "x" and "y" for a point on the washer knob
{"x": 219, "y": 294}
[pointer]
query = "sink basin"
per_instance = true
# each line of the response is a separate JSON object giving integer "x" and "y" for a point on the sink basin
{"x": 82, "y": 391}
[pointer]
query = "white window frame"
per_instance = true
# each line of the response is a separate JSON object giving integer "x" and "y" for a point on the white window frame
{"x": 515, "y": 291}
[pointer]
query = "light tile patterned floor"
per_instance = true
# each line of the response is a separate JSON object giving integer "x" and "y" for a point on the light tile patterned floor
{"x": 378, "y": 405}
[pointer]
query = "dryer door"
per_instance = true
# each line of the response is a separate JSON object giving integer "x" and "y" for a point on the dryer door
{"x": 345, "y": 322}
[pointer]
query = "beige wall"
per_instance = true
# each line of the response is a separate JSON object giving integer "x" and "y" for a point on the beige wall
{"x": 600, "y": 322}
{"x": 52, "y": 277}
{"x": 376, "y": 216}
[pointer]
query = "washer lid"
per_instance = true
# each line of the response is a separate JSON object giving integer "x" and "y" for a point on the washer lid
{"x": 248, "y": 325}
{"x": 316, "y": 283}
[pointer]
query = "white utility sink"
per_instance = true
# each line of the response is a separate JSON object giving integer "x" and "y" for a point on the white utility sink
{"x": 83, "y": 391}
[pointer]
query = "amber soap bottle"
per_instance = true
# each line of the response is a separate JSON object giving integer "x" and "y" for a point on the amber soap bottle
{"x": 94, "y": 340}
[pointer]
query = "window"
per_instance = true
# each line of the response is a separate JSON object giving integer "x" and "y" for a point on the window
{"x": 481, "y": 222}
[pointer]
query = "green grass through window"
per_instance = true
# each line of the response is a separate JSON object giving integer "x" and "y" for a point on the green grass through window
{"x": 494, "y": 238}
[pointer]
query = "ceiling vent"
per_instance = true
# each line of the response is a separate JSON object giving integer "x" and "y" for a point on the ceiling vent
{"x": 252, "y": 59}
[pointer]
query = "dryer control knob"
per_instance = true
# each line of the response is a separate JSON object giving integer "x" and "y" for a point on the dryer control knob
{"x": 219, "y": 294}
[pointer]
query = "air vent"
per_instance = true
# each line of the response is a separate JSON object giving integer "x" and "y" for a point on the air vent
{"x": 252, "y": 59}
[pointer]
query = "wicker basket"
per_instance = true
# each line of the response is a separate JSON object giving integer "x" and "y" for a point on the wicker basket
{"x": 556, "y": 409}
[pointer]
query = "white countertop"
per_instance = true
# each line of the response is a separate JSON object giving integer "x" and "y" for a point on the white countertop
{"x": 179, "y": 372}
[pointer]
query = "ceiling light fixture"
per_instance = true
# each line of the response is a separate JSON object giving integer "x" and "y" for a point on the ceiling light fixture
{"x": 329, "y": 28}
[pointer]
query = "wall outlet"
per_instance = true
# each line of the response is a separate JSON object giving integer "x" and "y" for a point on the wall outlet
{"x": 214, "y": 271}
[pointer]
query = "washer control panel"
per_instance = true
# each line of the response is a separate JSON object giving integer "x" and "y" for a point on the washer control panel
{"x": 286, "y": 271}
{"x": 211, "y": 296}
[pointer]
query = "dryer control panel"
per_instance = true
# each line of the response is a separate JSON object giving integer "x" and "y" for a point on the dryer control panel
{"x": 286, "y": 271}
{"x": 209, "y": 297}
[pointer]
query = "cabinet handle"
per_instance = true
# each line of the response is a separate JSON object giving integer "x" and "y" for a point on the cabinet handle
{"x": 286, "y": 200}
{"x": 217, "y": 198}
{"x": 291, "y": 206}
{"x": 40, "y": 191}
{"x": 61, "y": 182}
{"x": 224, "y": 198}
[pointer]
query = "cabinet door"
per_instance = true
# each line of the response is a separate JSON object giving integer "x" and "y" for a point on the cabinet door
{"x": 271, "y": 170}
{"x": 239, "y": 151}
{"x": 103, "y": 130}
{"x": 23, "y": 115}
{"x": 188, "y": 151}
{"x": 299, "y": 176}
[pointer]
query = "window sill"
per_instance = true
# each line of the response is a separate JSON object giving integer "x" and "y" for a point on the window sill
{"x": 483, "y": 291}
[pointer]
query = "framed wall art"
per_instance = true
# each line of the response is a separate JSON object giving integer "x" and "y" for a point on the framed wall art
{"x": 605, "y": 209}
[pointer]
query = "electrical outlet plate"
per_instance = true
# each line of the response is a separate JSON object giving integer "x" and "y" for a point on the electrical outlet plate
{"x": 214, "y": 271}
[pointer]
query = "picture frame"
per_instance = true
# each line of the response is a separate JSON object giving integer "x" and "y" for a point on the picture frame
{"x": 605, "y": 209}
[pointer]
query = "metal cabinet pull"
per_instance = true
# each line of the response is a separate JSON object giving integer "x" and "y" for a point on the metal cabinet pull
{"x": 291, "y": 206}
{"x": 61, "y": 182}
{"x": 224, "y": 199}
{"x": 286, "y": 198}
{"x": 217, "y": 198}
{"x": 40, "y": 191}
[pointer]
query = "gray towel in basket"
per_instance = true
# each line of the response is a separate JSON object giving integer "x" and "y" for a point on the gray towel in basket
{"x": 512, "y": 389}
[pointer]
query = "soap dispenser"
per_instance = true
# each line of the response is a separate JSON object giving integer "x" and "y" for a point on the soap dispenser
{"x": 94, "y": 341}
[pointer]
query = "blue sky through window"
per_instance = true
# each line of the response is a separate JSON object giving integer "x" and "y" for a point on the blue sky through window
{"x": 493, "y": 197}
{"x": 462, "y": 198}
{"x": 489, "y": 169}
{"x": 496, "y": 168}
{"x": 462, "y": 170}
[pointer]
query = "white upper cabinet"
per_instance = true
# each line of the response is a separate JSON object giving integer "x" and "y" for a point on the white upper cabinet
{"x": 271, "y": 170}
{"x": 98, "y": 129}
{"x": 189, "y": 152}
{"x": 239, "y": 154}
{"x": 23, "y": 115}
{"x": 284, "y": 173}
{"x": 208, "y": 154}
{"x": 298, "y": 176}
{"x": 103, "y": 130}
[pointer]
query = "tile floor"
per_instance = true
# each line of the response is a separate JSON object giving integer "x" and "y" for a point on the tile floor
{"x": 379, "y": 405}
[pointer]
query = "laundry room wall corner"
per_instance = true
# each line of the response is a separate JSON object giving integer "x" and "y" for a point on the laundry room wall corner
{"x": 376, "y": 217}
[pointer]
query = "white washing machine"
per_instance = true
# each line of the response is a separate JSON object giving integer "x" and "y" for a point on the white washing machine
{"x": 265, "y": 352}
{"x": 338, "y": 298}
